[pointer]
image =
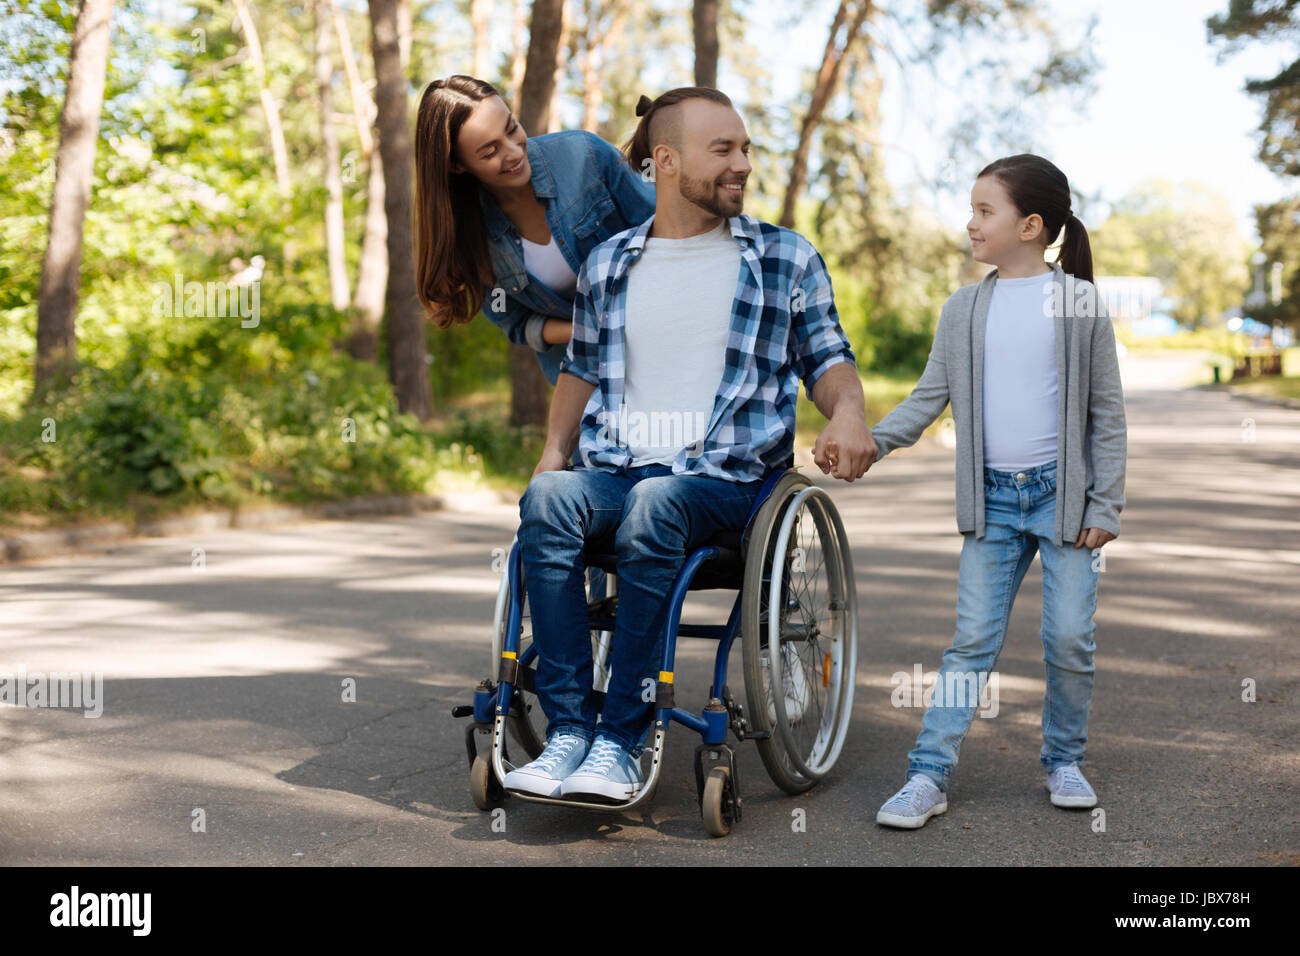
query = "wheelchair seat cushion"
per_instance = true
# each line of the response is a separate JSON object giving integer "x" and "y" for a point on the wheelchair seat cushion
{"x": 726, "y": 570}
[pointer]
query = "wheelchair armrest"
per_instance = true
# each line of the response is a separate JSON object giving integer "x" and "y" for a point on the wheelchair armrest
{"x": 763, "y": 492}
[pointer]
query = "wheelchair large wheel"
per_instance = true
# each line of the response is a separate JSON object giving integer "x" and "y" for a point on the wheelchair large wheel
{"x": 527, "y": 721}
{"x": 799, "y": 633}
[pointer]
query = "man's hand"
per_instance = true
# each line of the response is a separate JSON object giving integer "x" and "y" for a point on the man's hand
{"x": 845, "y": 448}
{"x": 552, "y": 460}
{"x": 1093, "y": 538}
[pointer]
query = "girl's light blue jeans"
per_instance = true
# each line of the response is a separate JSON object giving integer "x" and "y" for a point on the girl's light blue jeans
{"x": 1020, "y": 518}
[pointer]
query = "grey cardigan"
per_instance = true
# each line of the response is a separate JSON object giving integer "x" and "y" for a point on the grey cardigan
{"x": 1092, "y": 433}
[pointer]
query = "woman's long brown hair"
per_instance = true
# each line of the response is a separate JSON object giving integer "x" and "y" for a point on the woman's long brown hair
{"x": 453, "y": 266}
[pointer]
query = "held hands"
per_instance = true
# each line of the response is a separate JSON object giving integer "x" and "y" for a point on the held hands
{"x": 845, "y": 448}
{"x": 1093, "y": 538}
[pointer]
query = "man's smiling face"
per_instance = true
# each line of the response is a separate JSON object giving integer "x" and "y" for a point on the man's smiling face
{"x": 714, "y": 157}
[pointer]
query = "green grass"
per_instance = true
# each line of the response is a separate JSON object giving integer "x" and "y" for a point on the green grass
{"x": 882, "y": 391}
{"x": 1274, "y": 387}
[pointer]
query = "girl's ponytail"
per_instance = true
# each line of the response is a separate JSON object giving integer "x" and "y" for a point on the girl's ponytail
{"x": 1037, "y": 186}
{"x": 1076, "y": 251}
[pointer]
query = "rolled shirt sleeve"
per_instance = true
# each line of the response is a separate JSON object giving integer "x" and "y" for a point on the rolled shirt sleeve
{"x": 583, "y": 355}
{"x": 819, "y": 340}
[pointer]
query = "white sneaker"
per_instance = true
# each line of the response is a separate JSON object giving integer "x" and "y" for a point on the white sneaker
{"x": 1069, "y": 788}
{"x": 794, "y": 684}
{"x": 609, "y": 771}
{"x": 564, "y": 753}
{"x": 919, "y": 800}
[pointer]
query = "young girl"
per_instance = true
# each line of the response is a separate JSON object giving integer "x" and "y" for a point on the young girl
{"x": 1027, "y": 359}
{"x": 504, "y": 222}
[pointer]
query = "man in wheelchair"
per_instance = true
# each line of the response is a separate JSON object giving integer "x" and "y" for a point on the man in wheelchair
{"x": 690, "y": 335}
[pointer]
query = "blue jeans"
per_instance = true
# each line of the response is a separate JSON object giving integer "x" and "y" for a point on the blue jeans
{"x": 655, "y": 518}
{"x": 1019, "y": 518}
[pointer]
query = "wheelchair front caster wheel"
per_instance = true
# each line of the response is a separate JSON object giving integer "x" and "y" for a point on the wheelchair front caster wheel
{"x": 716, "y": 806}
{"x": 484, "y": 789}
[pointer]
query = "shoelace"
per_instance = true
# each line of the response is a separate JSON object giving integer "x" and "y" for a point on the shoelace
{"x": 557, "y": 750}
{"x": 910, "y": 795}
{"x": 1072, "y": 778}
{"x": 603, "y": 754}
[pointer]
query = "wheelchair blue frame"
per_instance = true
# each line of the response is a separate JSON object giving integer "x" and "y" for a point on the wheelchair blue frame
{"x": 713, "y": 722}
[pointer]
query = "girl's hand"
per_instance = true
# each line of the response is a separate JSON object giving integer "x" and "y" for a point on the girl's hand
{"x": 1093, "y": 538}
{"x": 845, "y": 448}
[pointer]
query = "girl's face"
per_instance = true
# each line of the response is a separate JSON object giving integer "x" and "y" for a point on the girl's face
{"x": 997, "y": 230}
{"x": 490, "y": 146}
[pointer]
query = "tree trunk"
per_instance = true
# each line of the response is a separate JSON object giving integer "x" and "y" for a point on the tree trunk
{"x": 530, "y": 396}
{"x": 538, "y": 87}
{"x": 704, "y": 16}
{"x": 361, "y": 109}
{"x": 372, "y": 270}
{"x": 827, "y": 75}
{"x": 597, "y": 38}
{"x": 339, "y": 292}
{"x": 518, "y": 54}
{"x": 56, "y": 308}
{"x": 407, "y": 348}
{"x": 562, "y": 53}
{"x": 278, "y": 151}
{"x": 480, "y": 16}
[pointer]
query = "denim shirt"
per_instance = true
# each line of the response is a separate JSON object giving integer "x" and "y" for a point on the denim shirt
{"x": 589, "y": 193}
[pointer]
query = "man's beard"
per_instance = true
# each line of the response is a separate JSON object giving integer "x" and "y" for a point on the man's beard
{"x": 704, "y": 193}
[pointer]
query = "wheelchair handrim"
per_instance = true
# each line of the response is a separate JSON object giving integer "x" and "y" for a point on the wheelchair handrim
{"x": 833, "y": 727}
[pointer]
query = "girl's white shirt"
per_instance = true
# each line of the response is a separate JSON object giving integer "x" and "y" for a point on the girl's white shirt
{"x": 1020, "y": 381}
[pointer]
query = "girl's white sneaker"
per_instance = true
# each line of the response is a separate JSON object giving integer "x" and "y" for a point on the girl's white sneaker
{"x": 1069, "y": 788}
{"x": 919, "y": 800}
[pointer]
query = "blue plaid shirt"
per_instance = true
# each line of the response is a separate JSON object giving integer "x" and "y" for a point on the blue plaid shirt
{"x": 784, "y": 327}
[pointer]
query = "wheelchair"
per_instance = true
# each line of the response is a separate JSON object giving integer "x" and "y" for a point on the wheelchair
{"x": 795, "y": 611}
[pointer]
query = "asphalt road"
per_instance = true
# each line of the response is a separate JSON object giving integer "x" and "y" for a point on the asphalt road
{"x": 224, "y": 685}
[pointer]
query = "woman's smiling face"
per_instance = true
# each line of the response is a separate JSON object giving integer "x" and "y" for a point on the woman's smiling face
{"x": 490, "y": 146}
{"x": 996, "y": 228}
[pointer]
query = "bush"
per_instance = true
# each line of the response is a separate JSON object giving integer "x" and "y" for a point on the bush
{"x": 898, "y": 346}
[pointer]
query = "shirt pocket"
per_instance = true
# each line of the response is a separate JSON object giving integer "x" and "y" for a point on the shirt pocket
{"x": 590, "y": 227}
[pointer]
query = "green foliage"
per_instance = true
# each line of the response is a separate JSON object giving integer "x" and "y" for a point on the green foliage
{"x": 150, "y": 425}
{"x": 897, "y": 345}
{"x": 1185, "y": 235}
{"x": 1265, "y": 20}
{"x": 1279, "y": 233}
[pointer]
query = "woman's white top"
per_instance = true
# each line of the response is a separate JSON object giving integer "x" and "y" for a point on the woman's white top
{"x": 548, "y": 264}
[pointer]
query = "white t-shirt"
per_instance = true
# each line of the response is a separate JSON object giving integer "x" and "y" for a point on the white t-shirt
{"x": 1020, "y": 375}
{"x": 548, "y": 264}
{"x": 679, "y": 300}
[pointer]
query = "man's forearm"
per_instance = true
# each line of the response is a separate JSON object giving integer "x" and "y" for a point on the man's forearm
{"x": 839, "y": 392}
{"x": 567, "y": 405}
